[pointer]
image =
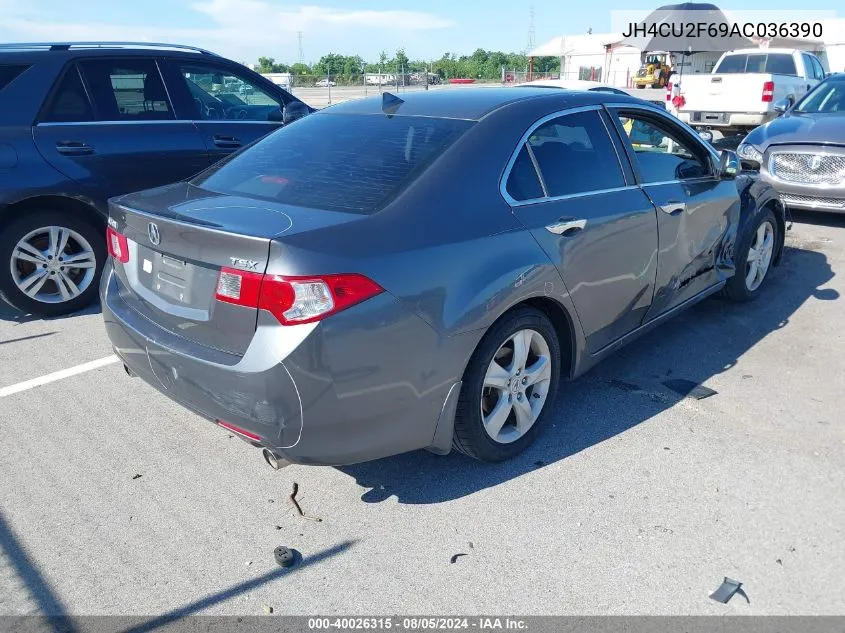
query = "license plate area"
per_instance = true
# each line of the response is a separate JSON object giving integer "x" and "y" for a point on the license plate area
{"x": 167, "y": 276}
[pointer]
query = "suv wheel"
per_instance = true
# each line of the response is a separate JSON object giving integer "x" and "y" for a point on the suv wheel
{"x": 509, "y": 386}
{"x": 50, "y": 263}
{"x": 755, "y": 259}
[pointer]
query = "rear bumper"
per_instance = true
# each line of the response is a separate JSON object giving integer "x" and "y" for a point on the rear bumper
{"x": 338, "y": 392}
{"x": 725, "y": 119}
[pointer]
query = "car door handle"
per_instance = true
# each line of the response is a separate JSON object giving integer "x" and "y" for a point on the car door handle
{"x": 74, "y": 148}
{"x": 566, "y": 227}
{"x": 673, "y": 207}
{"x": 228, "y": 142}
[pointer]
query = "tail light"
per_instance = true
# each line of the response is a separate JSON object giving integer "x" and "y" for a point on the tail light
{"x": 768, "y": 91}
{"x": 294, "y": 300}
{"x": 117, "y": 244}
{"x": 236, "y": 429}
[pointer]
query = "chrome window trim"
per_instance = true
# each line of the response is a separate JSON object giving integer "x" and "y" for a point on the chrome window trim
{"x": 503, "y": 182}
{"x": 530, "y": 151}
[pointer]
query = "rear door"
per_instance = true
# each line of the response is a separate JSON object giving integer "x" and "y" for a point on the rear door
{"x": 695, "y": 207}
{"x": 587, "y": 214}
{"x": 230, "y": 108}
{"x": 110, "y": 124}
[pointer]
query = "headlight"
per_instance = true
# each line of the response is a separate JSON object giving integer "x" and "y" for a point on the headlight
{"x": 749, "y": 152}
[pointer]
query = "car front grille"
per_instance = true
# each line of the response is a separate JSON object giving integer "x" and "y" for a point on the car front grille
{"x": 812, "y": 201}
{"x": 814, "y": 169}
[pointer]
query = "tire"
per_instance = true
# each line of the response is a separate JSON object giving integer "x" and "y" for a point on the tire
{"x": 66, "y": 288}
{"x": 516, "y": 432}
{"x": 739, "y": 288}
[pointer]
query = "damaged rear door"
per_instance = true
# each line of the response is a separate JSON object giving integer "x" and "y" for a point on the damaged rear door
{"x": 697, "y": 213}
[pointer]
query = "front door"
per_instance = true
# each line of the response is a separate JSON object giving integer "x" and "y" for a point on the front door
{"x": 568, "y": 186}
{"x": 110, "y": 125}
{"x": 229, "y": 108}
{"x": 695, "y": 207}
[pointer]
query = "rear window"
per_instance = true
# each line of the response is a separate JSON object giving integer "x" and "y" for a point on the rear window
{"x": 10, "y": 72}
{"x": 775, "y": 64}
{"x": 337, "y": 162}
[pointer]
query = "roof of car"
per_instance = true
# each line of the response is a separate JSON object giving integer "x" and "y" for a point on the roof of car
{"x": 469, "y": 103}
{"x": 95, "y": 49}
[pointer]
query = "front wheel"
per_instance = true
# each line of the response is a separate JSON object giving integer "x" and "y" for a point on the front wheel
{"x": 755, "y": 259}
{"x": 509, "y": 386}
{"x": 50, "y": 262}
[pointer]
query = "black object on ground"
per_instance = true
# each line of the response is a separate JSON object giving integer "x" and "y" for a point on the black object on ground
{"x": 285, "y": 556}
{"x": 137, "y": 477}
{"x": 297, "y": 507}
{"x": 689, "y": 388}
{"x": 727, "y": 590}
{"x": 455, "y": 558}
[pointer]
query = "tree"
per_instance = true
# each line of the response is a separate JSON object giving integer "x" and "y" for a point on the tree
{"x": 401, "y": 61}
{"x": 300, "y": 69}
{"x": 269, "y": 65}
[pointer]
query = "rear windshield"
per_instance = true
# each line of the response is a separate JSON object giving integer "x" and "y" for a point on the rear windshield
{"x": 8, "y": 72}
{"x": 337, "y": 162}
{"x": 775, "y": 64}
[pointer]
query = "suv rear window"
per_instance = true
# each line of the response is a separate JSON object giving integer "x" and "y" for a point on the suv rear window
{"x": 10, "y": 72}
{"x": 337, "y": 162}
{"x": 776, "y": 64}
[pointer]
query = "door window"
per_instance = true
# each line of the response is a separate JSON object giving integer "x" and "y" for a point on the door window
{"x": 219, "y": 94}
{"x": 663, "y": 153}
{"x": 69, "y": 103}
{"x": 817, "y": 66}
{"x": 127, "y": 90}
{"x": 575, "y": 155}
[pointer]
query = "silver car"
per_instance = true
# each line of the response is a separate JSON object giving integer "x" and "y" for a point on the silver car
{"x": 394, "y": 274}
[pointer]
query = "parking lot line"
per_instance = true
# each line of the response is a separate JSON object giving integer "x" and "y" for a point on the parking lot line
{"x": 57, "y": 375}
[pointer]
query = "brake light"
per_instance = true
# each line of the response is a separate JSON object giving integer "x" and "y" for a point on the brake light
{"x": 294, "y": 300}
{"x": 239, "y": 431}
{"x": 118, "y": 245}
{"x": 768, "y": 91}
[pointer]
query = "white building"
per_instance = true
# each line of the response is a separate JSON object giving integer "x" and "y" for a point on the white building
{"x": 596, "y": 56}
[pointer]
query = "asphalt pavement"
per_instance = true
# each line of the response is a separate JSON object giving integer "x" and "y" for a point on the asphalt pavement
{"x": 634, "y": 500}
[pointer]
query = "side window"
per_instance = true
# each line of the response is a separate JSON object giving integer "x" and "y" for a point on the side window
{"x": 818, "y": 67}
{"x": 219, "y": 94}
{"x": 575, "y": 155}
{"x": 127, "y": 90}
{"x": 663, "y": 154}
{"x": 523, "y": 183}
{"x": 780, "y": 64}
{"x": 69, "y": 103}
{"x": 10, "y": 72}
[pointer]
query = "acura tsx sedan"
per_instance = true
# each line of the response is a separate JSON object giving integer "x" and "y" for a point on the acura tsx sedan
{"x": 393, "y": 274}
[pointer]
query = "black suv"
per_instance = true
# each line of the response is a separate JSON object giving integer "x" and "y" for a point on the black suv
{"x": 82, "y": 122}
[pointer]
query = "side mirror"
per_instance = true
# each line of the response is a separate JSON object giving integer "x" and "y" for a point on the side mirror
{"x": 293, "y": 111}
{"x": 729, "y": 165}
{"x": 783, "y": 105}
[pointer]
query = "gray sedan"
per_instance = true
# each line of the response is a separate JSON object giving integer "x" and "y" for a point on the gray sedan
{"x": 802, "y": 153}
{"x": 394, "y": 274}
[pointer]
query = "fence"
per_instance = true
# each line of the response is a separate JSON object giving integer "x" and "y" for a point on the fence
{"x": 620, "y": 78}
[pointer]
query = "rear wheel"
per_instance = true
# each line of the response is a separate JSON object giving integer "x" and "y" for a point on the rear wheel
{"x": 508, "y": 387}
{"x": 50, "y": 263}
{"x": 755, "y": 259}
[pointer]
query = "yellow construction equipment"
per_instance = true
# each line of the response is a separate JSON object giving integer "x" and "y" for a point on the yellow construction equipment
{"x": 654, "y": 71}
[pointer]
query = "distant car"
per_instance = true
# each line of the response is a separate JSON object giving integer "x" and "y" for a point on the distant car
{"x": 325, "y": 83}
{"x": 335, "y": 294}
{"x": 802, "y": 153}
{"x": 80, "y": 123}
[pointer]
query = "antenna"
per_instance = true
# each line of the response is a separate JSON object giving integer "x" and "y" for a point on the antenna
{"x": 301, "y": 54}
{"x": 531, "y": 44}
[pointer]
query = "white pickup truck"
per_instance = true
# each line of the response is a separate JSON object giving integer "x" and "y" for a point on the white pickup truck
{"x": 744, "y": 86}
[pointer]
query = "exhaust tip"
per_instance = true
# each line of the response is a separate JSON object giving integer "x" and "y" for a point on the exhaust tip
{"x": 273, "y": 460}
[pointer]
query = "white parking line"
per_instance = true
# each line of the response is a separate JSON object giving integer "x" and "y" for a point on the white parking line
{"x": 57, "y": 375}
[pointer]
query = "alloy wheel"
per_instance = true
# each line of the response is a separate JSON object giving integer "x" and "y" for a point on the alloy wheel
{"x": 516, "y": 386}
{"x": 759, "y": 256}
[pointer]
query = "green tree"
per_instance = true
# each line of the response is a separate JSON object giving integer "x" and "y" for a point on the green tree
{"x": 269, "y": 65}
{"x": 300, "y": 69}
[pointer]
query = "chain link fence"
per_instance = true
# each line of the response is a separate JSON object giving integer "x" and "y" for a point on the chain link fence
{"x": 619, "y": 78}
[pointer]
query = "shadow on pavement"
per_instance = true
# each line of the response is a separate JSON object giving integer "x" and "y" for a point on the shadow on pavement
{"x": 12, "y": 315}
{"x": 620, "y": 393}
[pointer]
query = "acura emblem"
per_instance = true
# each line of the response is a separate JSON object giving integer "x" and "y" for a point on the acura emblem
{"x": 155, "y": 236}
{"x": 815, "y": 162}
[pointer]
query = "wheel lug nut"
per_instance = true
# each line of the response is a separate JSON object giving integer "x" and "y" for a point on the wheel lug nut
{"x": 525, "y": 380}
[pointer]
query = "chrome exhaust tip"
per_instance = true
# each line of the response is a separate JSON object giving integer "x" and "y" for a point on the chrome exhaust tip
{"x": 274, "y": 461}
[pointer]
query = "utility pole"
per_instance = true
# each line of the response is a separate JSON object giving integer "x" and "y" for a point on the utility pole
{"x": 299, "y": 41}
{"x": 531, "y": 43}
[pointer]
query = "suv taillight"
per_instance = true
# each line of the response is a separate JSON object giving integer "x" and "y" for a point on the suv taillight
{"x": 768, "y": 91}
{"x": 294, "y": 300}
{"x": 117, "y": 244}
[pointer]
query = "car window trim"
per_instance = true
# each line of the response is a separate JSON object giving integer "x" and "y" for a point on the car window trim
{"x": 70, "y": 66}
{"x": 523, "y": 142}
{"x": 685, "y": 130}
{"x": 81, "y": 60}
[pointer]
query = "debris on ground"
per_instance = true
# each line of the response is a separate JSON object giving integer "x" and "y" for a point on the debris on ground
{"x": 727, "y": 590}
{"x": 268, "y": 610}
{"x": 285, "y": 557}
{"x": 271, "y": 501}
{"x": 689, "y": 389}
{"x": 624, "y": 386}
{"x": 779, "y": 561}
{"x": 137, "y": 476}
{"x": 278, "y": 527}
{"x": 455, "y": 558}
{"x": 248, "y": 563}
{"x": 471, "y": 546}
{"x": 296, "y": 506}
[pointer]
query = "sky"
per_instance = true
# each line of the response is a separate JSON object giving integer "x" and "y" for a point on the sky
{"x": 247, "y": 29}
